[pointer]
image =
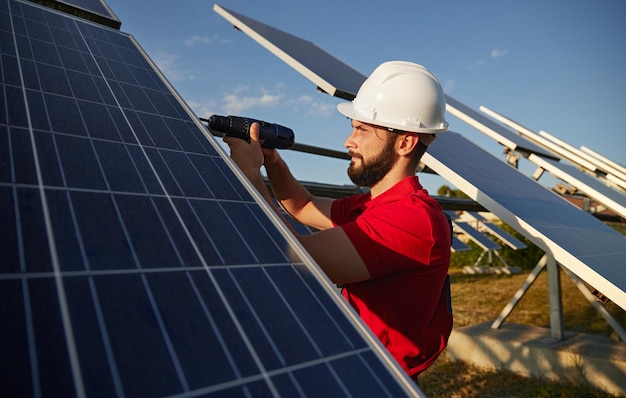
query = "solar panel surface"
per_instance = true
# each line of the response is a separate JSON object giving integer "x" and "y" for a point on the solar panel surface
{"x": 336, "y": 78}
{"x": 577, "y": 240}
{"x": 135, "y": 262}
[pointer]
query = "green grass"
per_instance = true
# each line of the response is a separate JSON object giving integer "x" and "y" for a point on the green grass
{"x": 481, "y": 298}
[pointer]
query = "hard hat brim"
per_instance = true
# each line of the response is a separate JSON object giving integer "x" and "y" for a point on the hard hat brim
{"x": 349, "y": 110}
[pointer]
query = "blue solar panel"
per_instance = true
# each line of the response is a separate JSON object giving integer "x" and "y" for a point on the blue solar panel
{"x": 134, "y": 261}
{"x": 578, "y": 241}
{"x": 331, "y": 74}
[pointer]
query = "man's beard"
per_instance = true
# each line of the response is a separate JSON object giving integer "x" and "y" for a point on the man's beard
{"x": 371, "y": 172}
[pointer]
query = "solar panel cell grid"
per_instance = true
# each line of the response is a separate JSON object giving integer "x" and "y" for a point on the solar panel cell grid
{"x": 134, "y": 260}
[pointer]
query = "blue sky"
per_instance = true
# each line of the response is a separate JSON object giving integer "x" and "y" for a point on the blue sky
{"x": 556, "y": 66}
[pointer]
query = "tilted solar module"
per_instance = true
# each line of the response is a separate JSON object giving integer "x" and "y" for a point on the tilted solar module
{"x": 458, "y": 246}
{"x": 336, "y": 78}
{"x": 135, "y": 259}
{"x": 578, "y": 241}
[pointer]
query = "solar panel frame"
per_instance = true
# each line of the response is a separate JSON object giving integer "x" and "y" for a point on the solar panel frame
{"x": 602, "y": 158}
{"x": 75, "y": 243}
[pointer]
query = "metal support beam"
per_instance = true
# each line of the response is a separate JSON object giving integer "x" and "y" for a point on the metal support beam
{"x": 541, "y": 264}
{"x": 554, "y": 293}
{"x": 616, "y": 326}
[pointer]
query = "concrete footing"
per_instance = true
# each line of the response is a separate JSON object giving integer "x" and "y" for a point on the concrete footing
{"x": 531, "y": 351}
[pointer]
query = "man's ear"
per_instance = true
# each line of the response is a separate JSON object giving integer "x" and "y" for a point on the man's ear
{"x": 407, "y": 142}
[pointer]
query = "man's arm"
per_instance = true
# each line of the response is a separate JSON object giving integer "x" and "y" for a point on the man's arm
{"x": 330, "y": 248}
{"x": 295, "y": 199}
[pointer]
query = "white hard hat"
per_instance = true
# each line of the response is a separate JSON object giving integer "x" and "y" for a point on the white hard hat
{"x": 401, "y": 96}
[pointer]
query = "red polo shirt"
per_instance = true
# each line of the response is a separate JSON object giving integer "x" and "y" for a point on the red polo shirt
{"x": 403, "y": 237}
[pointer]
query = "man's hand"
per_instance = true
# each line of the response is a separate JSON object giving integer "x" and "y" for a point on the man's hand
{"x": 248, "y": 156}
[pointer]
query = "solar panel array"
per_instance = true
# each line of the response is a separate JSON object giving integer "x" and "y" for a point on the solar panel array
{"x": 577, "y": 240}
{"x": 134, "y": 259}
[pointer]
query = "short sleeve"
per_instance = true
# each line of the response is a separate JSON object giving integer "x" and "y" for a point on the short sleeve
{"x": 393, "y": 237}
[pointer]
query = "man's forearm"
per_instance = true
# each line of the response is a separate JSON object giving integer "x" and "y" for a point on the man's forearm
{"x": 287, "y": 190}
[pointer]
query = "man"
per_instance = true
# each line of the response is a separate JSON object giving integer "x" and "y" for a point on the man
{"x": 389, "y": 248}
